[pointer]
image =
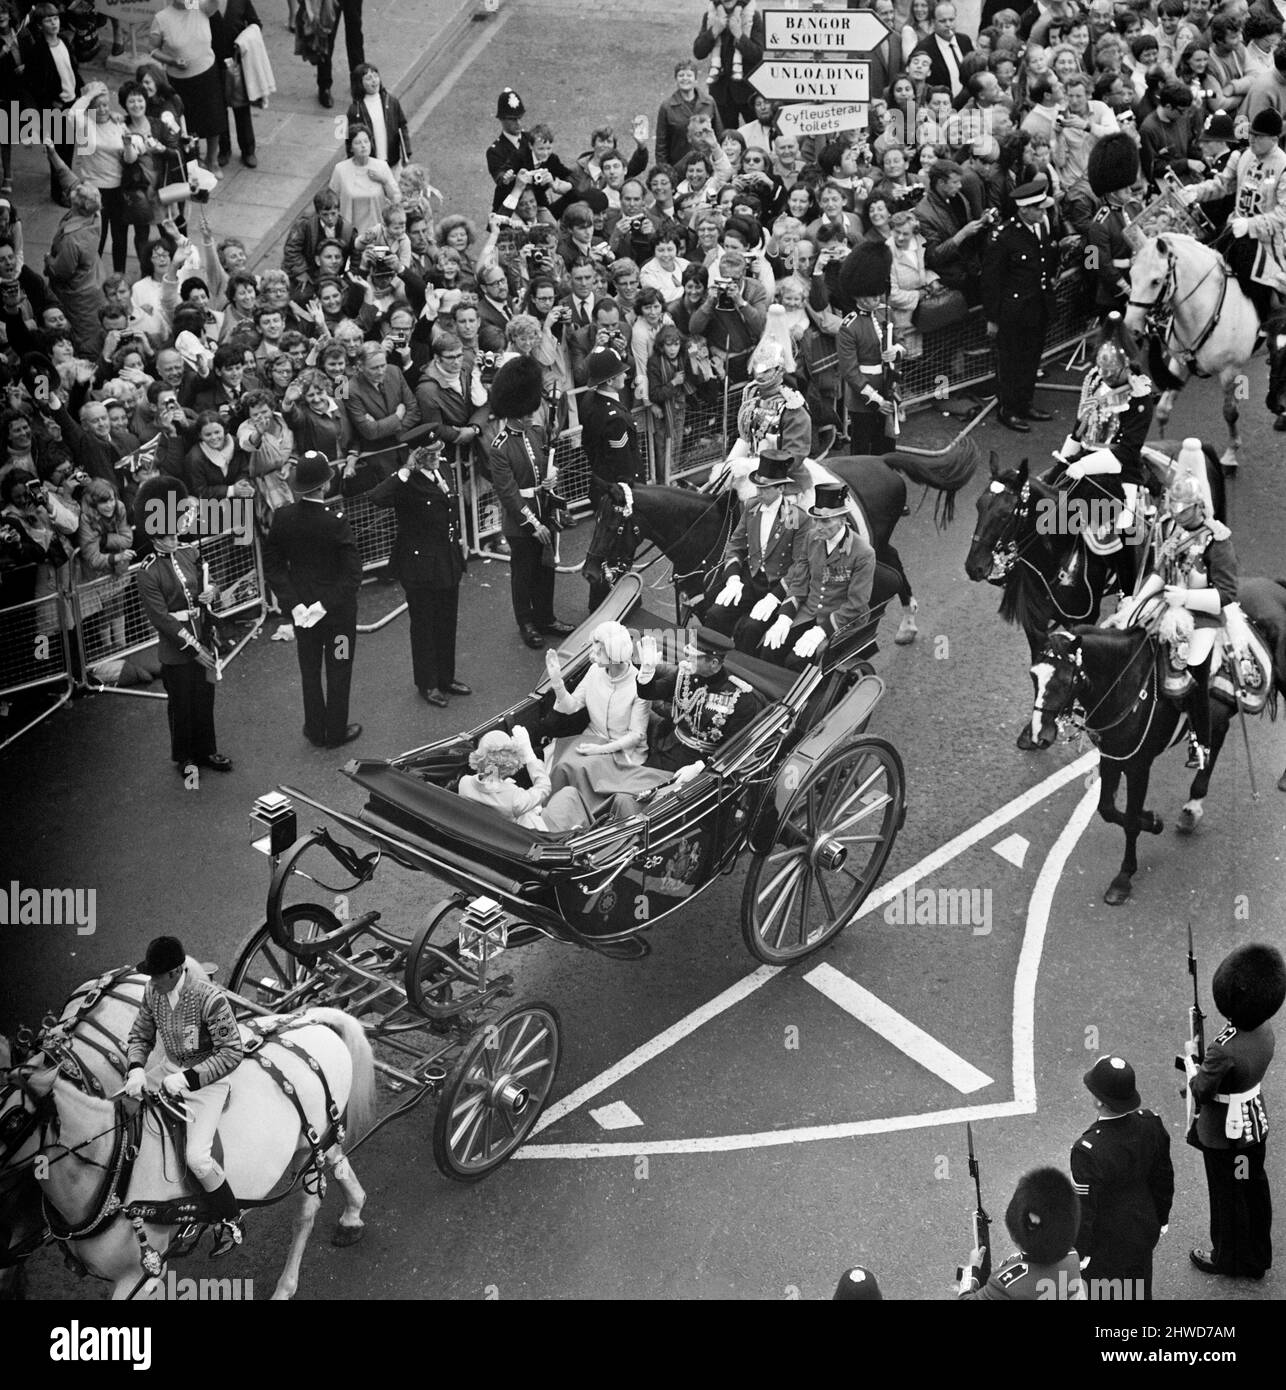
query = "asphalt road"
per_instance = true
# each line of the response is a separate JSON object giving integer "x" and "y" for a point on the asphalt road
{"x": 780, "y": 1137}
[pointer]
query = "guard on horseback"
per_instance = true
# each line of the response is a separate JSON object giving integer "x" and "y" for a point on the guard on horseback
{"x": 203, "y": 1048}
{"x": 772, "y": 415}
{"x": 1257, "y": 255}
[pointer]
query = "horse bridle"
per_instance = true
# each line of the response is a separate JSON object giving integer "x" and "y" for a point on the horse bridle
{"x": 1169, "y": 288}
{"x": 1079, "y": 681}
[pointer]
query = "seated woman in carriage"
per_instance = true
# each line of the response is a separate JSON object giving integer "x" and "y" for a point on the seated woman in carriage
{"x": 496, "y": 759}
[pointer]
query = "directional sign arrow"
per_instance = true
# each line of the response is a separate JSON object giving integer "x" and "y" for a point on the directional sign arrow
{"x": 788, "y": 79}
{"x": 837, "y": 31}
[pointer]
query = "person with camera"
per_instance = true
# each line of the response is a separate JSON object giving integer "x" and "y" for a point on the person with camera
{"x": 952, "y": 240}
{"x": 635, "y": 233}
{"x": 733, "y": 314}
{"x": 511, "y": 150}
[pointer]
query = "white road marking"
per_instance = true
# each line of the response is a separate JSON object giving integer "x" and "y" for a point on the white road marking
{"x": 906, "y": 1036}
{"x": 747, "y": 986}
{"x": 1013, "y": 849}
{"x": 618, "y": 1115}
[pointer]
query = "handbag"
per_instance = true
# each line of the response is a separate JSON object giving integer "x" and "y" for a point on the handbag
{"x": 235, "y": 83}
{"x": 179, "y": 191}
{"x": 939, "y": 307}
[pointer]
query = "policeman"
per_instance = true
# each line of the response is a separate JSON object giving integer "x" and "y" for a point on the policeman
{"x": 862, "y": 347}
{"x": 1020, "y": 266}
{"x": 1257, "y": 255}
{"x": 519, "y": 474}
{"x": 511, "y": 149}
{"x": 828, "y": 589}
{"x": 1041, "y": 1220}
{"x": 1113, "y": 170}
{"x": 1122, "y": 1173}
{"x": 311, "y": 560}
{"x": 176, "y": 601}
{"x": 1231, "y": 1128}
{"x": 768, "y": 539}
{"x": 857, "y": 1285}
{"x": 428, "y": 560}
{"x": 772, "y": 415}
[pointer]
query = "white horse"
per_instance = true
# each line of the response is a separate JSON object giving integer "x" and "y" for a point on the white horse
{"x": 261, "y": 1135}
{"x": 1214, "y": 325}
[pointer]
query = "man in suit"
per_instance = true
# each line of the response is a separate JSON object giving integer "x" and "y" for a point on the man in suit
{"x": 428, "y": 562}
{"x": 578, "y": 330}
{"x": 494, "y": 312}
{"x": 381, "y": 407}
{"x": 732, "y": 37}
{"x": 946, "y": 49}
{"x": 310, "y": 557}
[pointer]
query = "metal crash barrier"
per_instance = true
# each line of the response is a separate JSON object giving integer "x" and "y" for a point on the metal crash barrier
{"x": 35, "y": 655}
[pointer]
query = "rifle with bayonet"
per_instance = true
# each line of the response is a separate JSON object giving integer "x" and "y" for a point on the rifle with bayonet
{"x": 980, "y": 1225}
{"x": 1194, "y": 1049}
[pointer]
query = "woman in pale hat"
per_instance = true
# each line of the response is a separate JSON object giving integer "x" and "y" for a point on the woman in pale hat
{"x": 496, "y": 759}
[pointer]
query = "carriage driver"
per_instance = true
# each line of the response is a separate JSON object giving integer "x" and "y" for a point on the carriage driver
{"x": 1257, "y": 256}
{"x": 202, "y": 1048}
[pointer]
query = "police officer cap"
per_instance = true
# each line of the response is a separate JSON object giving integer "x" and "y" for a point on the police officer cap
{"x": 1267, "y": 122}
{"x": 1111, "y": 1080}
{"x": 857, "y": 1285}
{"x": 1043, "y": 1215}
{"x": 867, "y": 271}
{"x": 509, "y": 105}
{"x": 1113, "y": 164}
{"x": 705, "y": 641}
{"x": 425, "y": 436}
{"x": 1033, "y": 194}
{"x": 164, "y": 953}
{"x": 311, "y": 471}
{"x": 517, "y": 389}
{"x": 603, "y": 365}
{"x": 1250, "y": 985}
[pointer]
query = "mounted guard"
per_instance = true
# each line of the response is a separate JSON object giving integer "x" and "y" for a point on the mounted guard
{"x": 772, "y": 415}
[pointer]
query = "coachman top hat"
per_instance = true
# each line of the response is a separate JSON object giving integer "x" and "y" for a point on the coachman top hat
{"x": 829, "y": 500}
{"x": 774, "y": 468}
{"x": 509, "y": 105}
{"x": 603, "y": 364}
{"x": 164, "y": 953}
{"x": 312, "y": 471}
{"x": 1111, "y": 1080}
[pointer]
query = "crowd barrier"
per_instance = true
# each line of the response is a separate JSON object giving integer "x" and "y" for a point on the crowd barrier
{"x": 35, "y": 654}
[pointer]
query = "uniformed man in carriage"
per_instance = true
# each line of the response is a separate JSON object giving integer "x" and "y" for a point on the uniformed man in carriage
{"x": 1113, "y": 172}
{"x": 1257, "y": 253}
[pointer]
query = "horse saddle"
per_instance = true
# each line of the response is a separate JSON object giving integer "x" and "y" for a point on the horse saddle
{"x": 191, "y": 1209}
{"x": 1243, "y": 667}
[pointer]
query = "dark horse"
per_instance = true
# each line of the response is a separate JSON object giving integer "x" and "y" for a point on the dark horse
{"x": 1047, "y": 577}
{"x": 691, "y": 528}
{"x": 1115, "y": 677}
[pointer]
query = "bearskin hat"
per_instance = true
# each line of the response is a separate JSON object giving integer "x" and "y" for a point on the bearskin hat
{"x": 1043, "y": 1215}
{"x": 1113, "y": 164}
{"x": 1250, "y": 985}
{"x": 517, "y": 389}
{"x": 153, "y": 498}
{"x": 867, "y": 271}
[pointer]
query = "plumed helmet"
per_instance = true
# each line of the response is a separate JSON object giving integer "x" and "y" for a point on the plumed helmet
{"x": 156, "y": 505}
{"x": 1113, "y": 164}
{"x": 767, "y": 361}
{"x": 867, "y": 271}
{"x": 1183, "y": 492}
{"x": 1043, "y": 1215}
{"x": 516, "y": 391}
{"x": 1250, "y": 985}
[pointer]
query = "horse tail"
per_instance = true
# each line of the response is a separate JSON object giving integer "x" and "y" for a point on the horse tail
{"x": 946, "y": 473}
{"x": 361, "y": 1098}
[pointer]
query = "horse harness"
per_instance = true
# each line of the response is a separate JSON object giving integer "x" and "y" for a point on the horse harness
{"x": 1162, "y": 323}
{"x": 1096, "y": 731}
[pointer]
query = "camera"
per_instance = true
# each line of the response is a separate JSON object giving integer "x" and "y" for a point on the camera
{"x": 990, "y": 217}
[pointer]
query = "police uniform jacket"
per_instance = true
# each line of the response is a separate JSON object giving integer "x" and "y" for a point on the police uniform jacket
{"x": 200, "y": 1032}
{"x": 1112, "y": 255}
{"x": 426, "y": 553}
{"x": 859, "y": 345}
{"x": 1018, "y": 272}
{"x": 502, "y": 154}
{"x": 170, "y": 610}
{"x": 518, "y": 467}
{"x": 831, "y": 588}
{"x": 1234, "y": 1064}
{"x": 1121, "y": 1171}
{"x": 1260, "y": 186}
{"x": 746, "y": 555}
{"x": 611, "y": 443}
{"x": 704, "y": 713}
{"x": 1020, "y": 1280}
{"x": 310, "y": 556}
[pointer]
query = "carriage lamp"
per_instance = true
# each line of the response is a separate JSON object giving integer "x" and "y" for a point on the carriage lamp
{"x": 274, "y": 813}
{"x": 484, "y": 931}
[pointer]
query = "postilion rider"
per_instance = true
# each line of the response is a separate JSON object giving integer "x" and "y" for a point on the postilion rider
{"x": 202, "y": 1042}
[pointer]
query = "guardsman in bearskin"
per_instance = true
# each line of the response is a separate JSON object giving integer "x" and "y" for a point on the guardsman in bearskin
{"x": 176, "y": 599}
{"x": 523, "y": 483}
{"x": 1231, "y": 1127}
{"x": 772, "y": 414}
{"x": 510, "y": 150}
{"x": 862, "y": 348}
{"x": 1041, "y": 1219}
{"x": 1257, "y": 255}
{"x": 202, "y": 1043}
{"x": 828, "y": 588}
{"x": 1112, "y": 171}
{"x": 767, "y": 541}
{"x": 1020, "y": 269}
{"x": 1122, "y": 1173}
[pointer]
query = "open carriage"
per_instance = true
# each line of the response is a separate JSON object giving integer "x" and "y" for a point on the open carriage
{"x": 803, "y": 791}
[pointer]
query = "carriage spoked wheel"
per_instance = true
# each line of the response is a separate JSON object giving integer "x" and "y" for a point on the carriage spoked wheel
{"x": 267, "y": 975}
{"x": 831, "y": 844}
{"x": 496, "y": 1091}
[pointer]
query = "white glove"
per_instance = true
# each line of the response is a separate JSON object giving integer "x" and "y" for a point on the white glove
{"x": 776, "y": 634}
{"x": 522, "y": 741}
{"x": 648, "y": 657}
{"x": 730, "y": 593}
{"x": 1076, "y": 469}
{"x": 765, "y": 608}
{"x": 175, "y": 1083}
{"x": 1239, "y": 226}
{"x": 809, "y": 643}
{"x": 135, "y": 1083}
{"x": 1070, "y": 447}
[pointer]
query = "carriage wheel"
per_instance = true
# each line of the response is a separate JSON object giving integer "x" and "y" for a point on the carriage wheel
{"x": 827, "y": 855}
{"x": 267, "y": 975}
{"x": 496, "y": 1092}
{"x": 424, "y": 978}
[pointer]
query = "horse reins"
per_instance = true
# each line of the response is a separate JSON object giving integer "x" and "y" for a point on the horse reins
{"x": 1170, "y": 284}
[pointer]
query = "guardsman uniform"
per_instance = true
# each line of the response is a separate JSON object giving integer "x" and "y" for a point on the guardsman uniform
{"x": 1231, "y": 1128}
{"x": 507, "y": 153}
{"x": 1041, "y": 1220}
{"x": 1020, "y": 268}
{"x": 1111, "y": 257}
{"x": 775, "y": 419}
{"x": 428, "y": 562}
{"x": 765, "y": 544}
{"x": 1123, "y": 1175}
{"x": 1020, "y": 1280}
{"x": 865, "y": 278}
{"x": 705, "y": 712}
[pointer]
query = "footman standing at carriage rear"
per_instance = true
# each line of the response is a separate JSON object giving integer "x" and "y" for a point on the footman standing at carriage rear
{"x": 609, "y": 437}
{"x": 203, "y": 1048}
{"x": 1020, "y": 268}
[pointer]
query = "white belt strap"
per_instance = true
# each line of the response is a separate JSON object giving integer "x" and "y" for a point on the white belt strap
{"x": 1236, "y": 1101}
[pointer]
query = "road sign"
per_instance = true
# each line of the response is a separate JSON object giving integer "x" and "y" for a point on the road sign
{"x": 786, "y": 79}
{"x": 822, "y": 119}
{"x": 837, "y": 31}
